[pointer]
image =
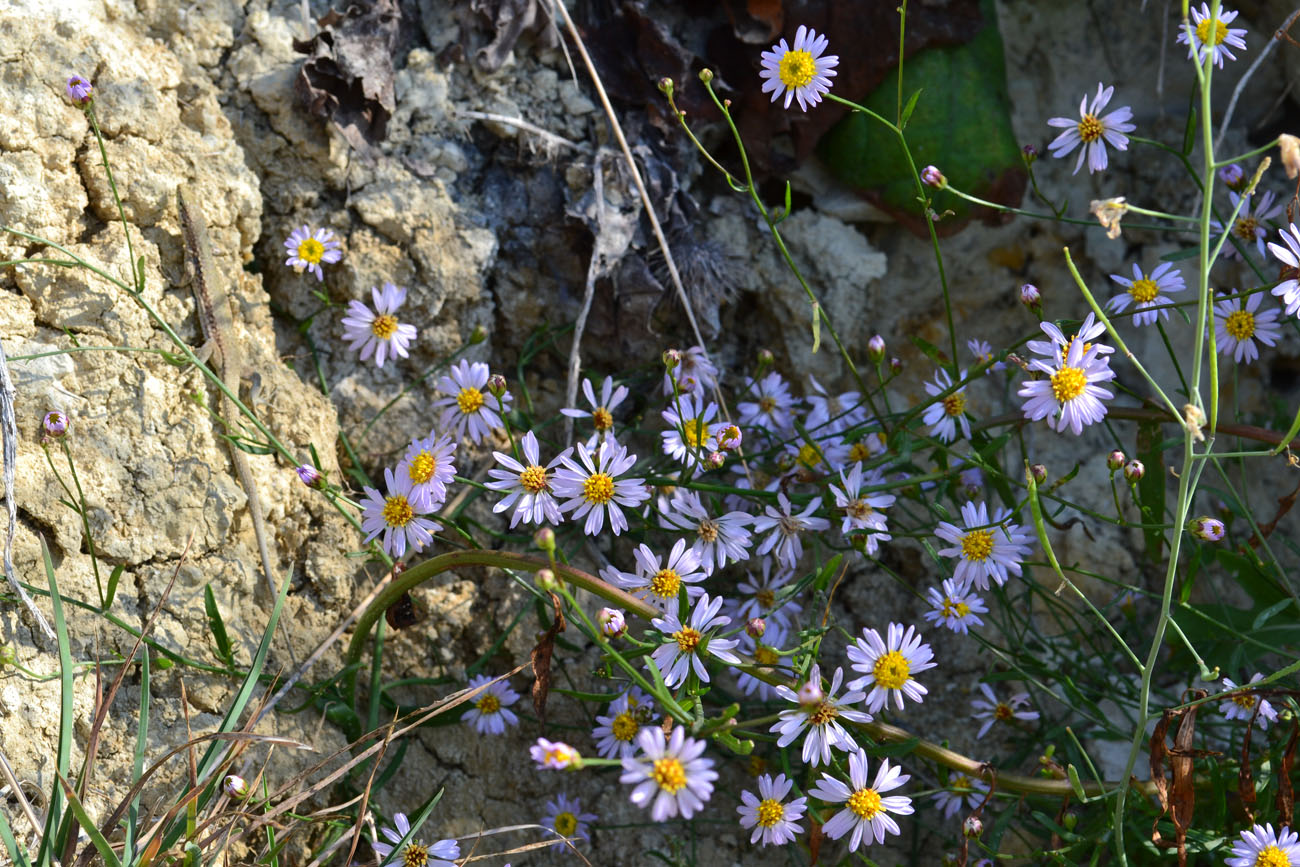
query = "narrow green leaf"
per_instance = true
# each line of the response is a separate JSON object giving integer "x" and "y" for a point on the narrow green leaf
{"x": 218, "y": 627}
{"x": 88, "y": 825}
{"x": 1073, "y": 773}
{"x": 786, "y": 213}
{"x": 53, "y": 833}
{"x": 1179, "y": 255}
{"x": 1151, "y": 487}
{"x": 137, "y": 762}
{"x": 16, "y": 855}
{"x": 1268, "y": 613}
{"x": 1290, "y": 434}
{"x": 910, "y": 107}
{"x": 113, "y": 580}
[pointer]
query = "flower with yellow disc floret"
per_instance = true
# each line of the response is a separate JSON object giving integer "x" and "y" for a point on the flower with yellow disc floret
{"x": 888, "y": 665}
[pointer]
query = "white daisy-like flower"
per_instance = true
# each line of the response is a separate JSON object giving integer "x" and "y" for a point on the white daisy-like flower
{"x": 801, "y": 72}
{"x": 992, "y": 710}
{"x": 1145, "y": 291}
{"x": 467, "y": 407}
{"x": 1069, "y": 396}
{"x": 1093, "y": 131}
{"x": 1236, "y": 328}
{"x": 695, "y": 373}
{"x": 441, "y": 854}
{"x": 670, "y": 775}
{"x": 888, "y": 665}
{"x": 553, "y": 755}
{"x": 594, "y": 488}
{"x": 866, "y": 807}
{"x": 1249, "y": 227}
{"x": 983, "y": 352}
{"x": 717, "y": 540}
{"x": 377, "y": 332}
{"x": 428, "y": 463}
{"x": 308, "y": 249}
{"x": 660, "y": 583}
{"x": 863, "y": 511}
{"x": 1242, "y": 705}
{"x": 398, "y": 516}
{"x": 786, "y": 527}
{"x": 1262, "y": 847}
{"x": 758, "y": 598}
{"x": 491, "y": 711}
{"x": 690, "y": 642}
{"x": 564, "y": 816}
{"x": 602, "y": 411}
{"x": 833, "y": 413}
{"x": 1289, "y": 289}
{"x": 692, "y": 434}
{"x": 943, "y": 416}
{"x": 957, "y": 607}
{"x": 772, "y": 406}
{"x": 811, "y": 458}
{"x": 527, "y": 485}
{"x": 774, "y": 821}
{"x": 616, "y": 731}
{"x": 961, "y": 792}
{"x": 1212, "y": 36}
{"x": 819, "y": 714}
{"x": 988, "y": 549}
{"x": 1089, "y": 329}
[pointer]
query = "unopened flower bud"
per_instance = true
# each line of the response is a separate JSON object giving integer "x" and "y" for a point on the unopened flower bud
{"x": 7, "y": 656}
{"x": 730, "y": 438}
{"x": 478, "y": 335}
{"x": 970, "y": 493}
{"x": 672, "y": 358}
{"x": 1039, "y": 473}
{"x": 765, "y": 357}
{"x": 811, "y": 692}
{"x": 556, "y": 755}
{"x": 876, "y": 349}
{"x": 932, "y": 177}
{"x": 1232, "y": 175}
{"x": 1030, "y": 152}
{"x": 1116, "y": 460}
{"x": 235, "y": 786}
{"x": 1206, "y": 529}
{"x": 80, "y": 91}
{"x": 546, "y": 579}
{"x": 716, "y": 460}
{"x": 706, "y": 75}
{"x": 496, "y": 385}
{"x": 972, "y": 827}
{"x": 1030, "y": 296}
{"x": 612, "y": 622}
{"x": 755, "y": 627}
{"x": 310, "y": 476}
{"x": 1070, "y": 820}
{"x": 1134, "y": 470}
{"x": 544, "y": 539}
{"x": 1289, "y": 145}
{"x": 666, "y": 86}
{"x": 895, "y": 365}
{"x": 55, "y": 423}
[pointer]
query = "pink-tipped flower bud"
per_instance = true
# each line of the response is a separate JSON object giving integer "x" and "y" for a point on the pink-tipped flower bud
{"x": 310, "y": 476}
{"x": 730, "y": 438}
{"x": 478, "y": 335}
{"x": 1134, "y": 470}
{"x": 765, "y": 357}
{"x": 1232, "y": 175}
{"x": 1030, "y": 152}
{"x": 1039, "y": 472}
{"x": 895, "y": 365}
{"x": 716, "y": 460}
{"x": 972, "y": 827}
{"x": 1206, "y": 529}
{"x": 1030, "y": 296}
{"x": 544, "y": 539}
{"x": 666, "y": 86}
{"x": 706, "y": 75}
{"x": 755, "y": 627}
{"x": 932, "y": 177}
{"x": 546, "y": 579}
{"x": 235, "y": 786}
{"x": 672, "y": 358}
{"x": 80, "y": 91}
{"x": 876, "y": 349}
{"x": 1116, "y": 460}
{"x": 55, "y": 424}
{"x": 496, "y": 385}
{"x": 612, "y": 622}
{"x": 811, "y": 692}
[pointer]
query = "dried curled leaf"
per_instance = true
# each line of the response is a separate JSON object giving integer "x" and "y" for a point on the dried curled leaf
{"x": 541, "y": 660}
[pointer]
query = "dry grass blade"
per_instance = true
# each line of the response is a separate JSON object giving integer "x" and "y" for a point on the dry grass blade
{"x": 1285, "y": 791}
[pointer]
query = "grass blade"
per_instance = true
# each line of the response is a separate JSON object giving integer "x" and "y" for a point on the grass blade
{"x": 218, "y": 627}
{"x": 101, "y": 845}
{"x": 53, "y": 834}
{"x": 137, "y": 765}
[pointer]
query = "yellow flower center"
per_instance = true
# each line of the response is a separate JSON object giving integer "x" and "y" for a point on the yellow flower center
{"x": 708, "y": 531}
{"x": 769, "y": 812}
{"x": 384, "y": 326}
{"x": 534, "y": 479}
{"x": 665, "y": 584}
{"x": 470, "y": 400}
{"x": 809, "y": 455}
{"x": 669, "y": 774}
{"x": 865, "y": 803}
{"x": 1003, "y": 712}
{"x": 977, "y": 545}
{"x": 1240, "y": 324}
{"x": 1245, "y": 700}
{"x": 423, "y": 466}
{"x": 415, "y": 855}
{"x": 565, "y": 824}
{"x": 1245, "y": 228}
{"x": 397, "y": 511}
{"x": 765, "y": 597}
{"x": 311, "y": 250}
{"x": 859, "y": 510}
{"x": 688, "y": 639}
{"x": 694, "y": 432}
{"x": 892, "y": 670}
{"x": 796, "y": 69}
{"x": 954, "y": 404}
{"x": 955, "y": 609}
{"x": 598, "y": 488}
{"x": 767, "y": 404}
{"x": 1068, "y": 383}
{"x": 1144, "y": 291}
{"x": 1089, "y": 129}
{"x": 765, "y": 655}
{"x": 488, "y": 704}
{"x": 1203, "y": 31}
{"x": 602, "y": 418}
{"x": 1271, "y": 856}
{"x": 625, "y": 727}
{"x": 959, "y": 783}
{"x": 826, "y": 711}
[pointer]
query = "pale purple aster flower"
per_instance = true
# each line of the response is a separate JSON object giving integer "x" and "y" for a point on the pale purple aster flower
{"x": 378, "y": 332}
{"x": 772, "y": 406}
{"x": 988, "y": 549}
{"x": 888, "y": 665}
{"x": 553, "y": 755}
{"x": 1233, "y": 175}
{"x": 1236, "y": 328}
{"x": 692, "y": 434}
{"x": 801, "y": 72}
{"x": 308, "y": 249}
{"x": 1249, "y": 227}
{"x": 56, "y": 423}
{"x": 786, "y": 527}
{"x": 866, "y": 809}
{"x": 833, "y": 413}
{"x": 766, "y": 655}
{"x": 441, "y": 854}
{"x": 564, "y": 816}
{"x": 1145, "y": 291}
{"x": 992, "y": 710}
{"x": 983, "y": 352}
{"x": 774, "y": 821}
{"x": 527, "y": 485}
{"x": 670, "y": 775}
{"x": 819, "y": 714}
{"x": 808, "y": 458}
{"x": 398, "y": 516}
{"x": 957, "y": 607}
{"x": 1289, "y": 289}
{"x": 602, "y": 411}
{"x": 594, "y": 488}
{"x": 310, "y": 476}
{"x": 612, "y": 622}
{"x": 1242, "y": 705}
{"x": 616, "y": 731}
{"x": 1260, "y": 846}
{"x": 1092, "y": 132}
{"x": 491, "y": 711}
{"x": 1212, "y": 36}
{"x": 863, "y": 511}
{"x": 943, "y": 416}
{"x": 660, "y": 583}
{"x": 79, "y": 90}
{"x": 1069, "y": 397}
{"x": 695, "y": 373}
{"x": 467, "y": 408}
{"x": 428, "y": 463}
{"x": 758, "y": 598}
{"x": 961, "y": 791}
{"x": 1089, "y": 329}
{"x": 691, "y": 641}
{"x": 718, "y": 540}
